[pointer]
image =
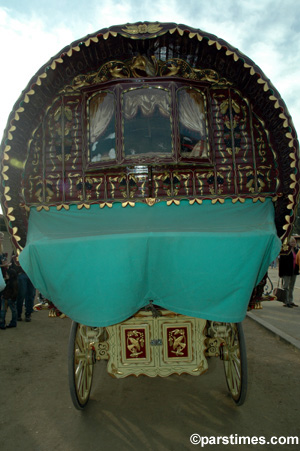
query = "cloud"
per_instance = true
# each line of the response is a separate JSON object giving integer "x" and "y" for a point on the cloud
{"x": 266, "y": 31}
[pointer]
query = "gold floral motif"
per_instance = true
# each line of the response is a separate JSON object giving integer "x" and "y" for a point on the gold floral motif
{"x": 106, "y": 204}
{"x": 124, "y": 204}
{"x": 177, "y": 341}
{"x": 135, "y": 341}
{"x": 150, "y": 201}
{"x": 142, "y": 28}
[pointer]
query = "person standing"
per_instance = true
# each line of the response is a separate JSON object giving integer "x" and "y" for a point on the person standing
{"x": 288, "y": 271}
{"x": 9, "y": 299}
{"x": 26, "y": 292}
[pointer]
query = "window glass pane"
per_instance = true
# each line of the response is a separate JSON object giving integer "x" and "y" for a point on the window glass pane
{"x": 192, "y": 124}
{"x": 102, "y": 132}
{"x": 147, "y": 122}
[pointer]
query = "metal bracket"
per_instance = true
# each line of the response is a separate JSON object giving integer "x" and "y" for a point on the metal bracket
{"x": 156, "y": 342}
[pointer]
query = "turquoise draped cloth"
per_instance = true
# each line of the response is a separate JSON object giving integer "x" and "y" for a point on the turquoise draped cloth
{"x": 100, "y": 266}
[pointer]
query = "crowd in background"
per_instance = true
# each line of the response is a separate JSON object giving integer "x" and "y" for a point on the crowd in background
{"x": 16, "y": 290}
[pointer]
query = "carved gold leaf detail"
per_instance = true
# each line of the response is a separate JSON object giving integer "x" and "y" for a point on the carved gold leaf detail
{"x": 238, "y": 199}
{"x": 142, "y": 28}
{"x": 150, "y": 201}
{"x": 65, "y": 206}
{"x": 124, "y": 204}
{"x": 173, "y": 201}
{"x": 106, "y": 204}
{"x": 192, "y": 201}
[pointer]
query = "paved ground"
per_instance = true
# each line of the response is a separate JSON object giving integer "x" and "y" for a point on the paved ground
{"x": 282, "y": 321}
{"x": 158, "y": 414}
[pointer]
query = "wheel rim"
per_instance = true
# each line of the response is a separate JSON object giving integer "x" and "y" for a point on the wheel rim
{"x": 83, "y": 365}
{"x": 232, "y": 364}
{"x": 235, "y": 363}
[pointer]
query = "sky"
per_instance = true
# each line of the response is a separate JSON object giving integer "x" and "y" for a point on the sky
{"x": 32, "y": 31}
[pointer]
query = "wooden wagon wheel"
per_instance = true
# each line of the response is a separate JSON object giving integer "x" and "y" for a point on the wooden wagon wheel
{"x": 81, "y": 359}
{"x": 233, "y": 354}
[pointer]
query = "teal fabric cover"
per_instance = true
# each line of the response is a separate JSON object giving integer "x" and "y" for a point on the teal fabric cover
{"x": 99, "y": 266}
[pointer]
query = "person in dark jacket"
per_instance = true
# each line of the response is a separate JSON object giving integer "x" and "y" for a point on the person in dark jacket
{"x": 9, "y": 299}
{"x": 288, "y": 271}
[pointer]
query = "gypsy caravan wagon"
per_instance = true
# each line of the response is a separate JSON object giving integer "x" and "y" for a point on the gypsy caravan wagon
{"x": 149, "y": 177}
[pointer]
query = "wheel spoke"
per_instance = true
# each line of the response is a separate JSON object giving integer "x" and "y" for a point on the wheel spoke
{"x": 235, "y": 364}
{"x": 80, "y": 365}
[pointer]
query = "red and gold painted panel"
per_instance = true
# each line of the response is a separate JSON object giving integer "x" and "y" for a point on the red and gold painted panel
{"x": 178, "y": 343}
{"x": 135, "y": 343}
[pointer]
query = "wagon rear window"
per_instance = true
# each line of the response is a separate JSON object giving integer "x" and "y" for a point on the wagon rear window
{"x": 102, "y": 127}
{"x": 146, "y": 116}
{"x": 192, "y": 123}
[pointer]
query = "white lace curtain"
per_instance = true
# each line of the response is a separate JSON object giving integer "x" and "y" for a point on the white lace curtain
{"x": 146, "y": 100}
{"x": 102, "y": 109}
{"x": 191, "y": 110}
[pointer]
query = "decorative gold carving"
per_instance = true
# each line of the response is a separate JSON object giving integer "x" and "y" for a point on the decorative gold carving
{"x": 124, "y": 204}
{"x": 135, "y": 341}
{"x": 177, "y": 340}
{"x": 141, "y": 67}
{"x": 173, "y": 201}
{"x": 142, "y": 28}
{"x": 150, "y": 201}
{"x": 158, "y": 346}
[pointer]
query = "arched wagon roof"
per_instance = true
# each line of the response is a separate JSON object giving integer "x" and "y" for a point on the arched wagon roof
{"x": 165, "y": 42}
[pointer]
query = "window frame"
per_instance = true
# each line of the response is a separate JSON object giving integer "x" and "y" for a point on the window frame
{"x": 118, "y": 88}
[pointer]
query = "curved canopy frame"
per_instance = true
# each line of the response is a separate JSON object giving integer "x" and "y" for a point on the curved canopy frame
{"x": 167, "y": 41}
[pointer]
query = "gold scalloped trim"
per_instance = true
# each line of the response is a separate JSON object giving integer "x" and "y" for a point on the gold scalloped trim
{"x": 248, "y": 66}
{"x": 73, "y": 49}
{"x": 216, "y": 43}
{"x": 106, "y": 204}
{"x": 90, "y": 40}
{"x": 125, "y": 204}
{"x": 294, "y": 162}
{"x": 238, "y": 199}
{"x": 40, "y": 77}
{"x": 198, "y": 201}
{"x": 233, "y": 54}
{"x": 192, "y": 35}
{"x": 295, "y": 183}
{"x": 65, "y": 206}
{"x": 173, "y": 201}
{"x": 6, "y": 190}
{"x": 274, "y": 99}
{"x": 180, "y": 31}
{"x": 291, "y": 199}
{"x": 152, "y": 201}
